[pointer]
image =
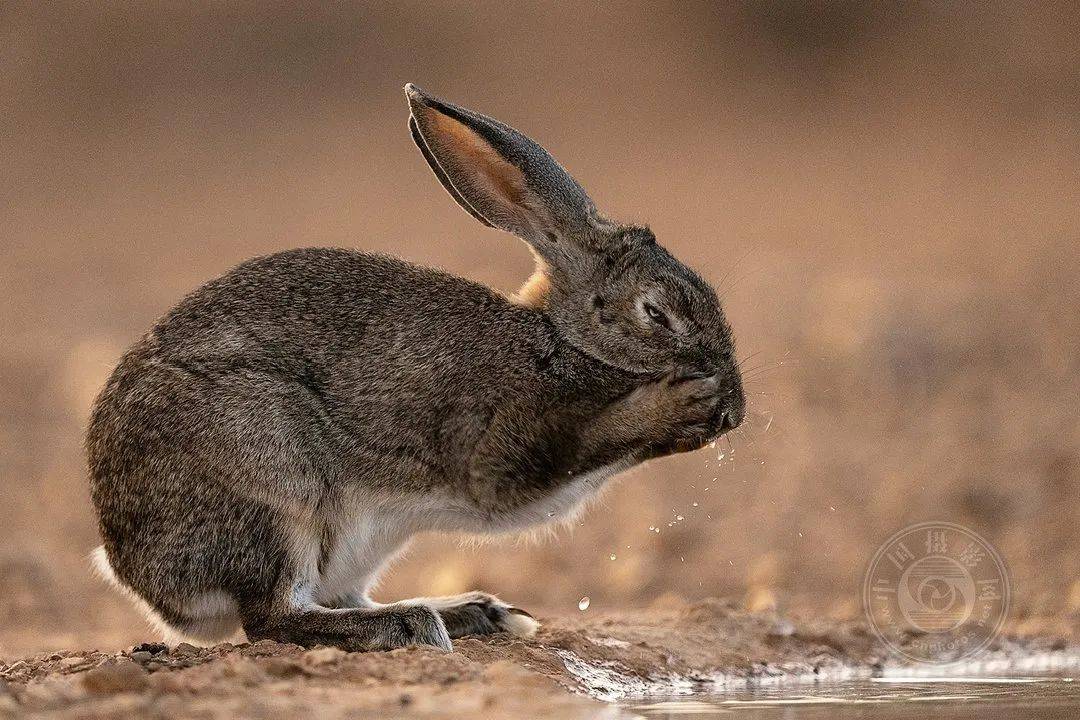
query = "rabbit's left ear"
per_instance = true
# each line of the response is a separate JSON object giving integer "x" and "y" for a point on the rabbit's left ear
{"x": 499, "y": 176}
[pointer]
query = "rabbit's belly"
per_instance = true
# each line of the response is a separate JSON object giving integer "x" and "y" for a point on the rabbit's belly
{"x": 564, "y": 504}
{"x": 358, "y": 549}
{"x": 363, "y": 537}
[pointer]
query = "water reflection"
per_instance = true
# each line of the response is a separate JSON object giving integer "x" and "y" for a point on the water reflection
{"x": 898, "y": 698}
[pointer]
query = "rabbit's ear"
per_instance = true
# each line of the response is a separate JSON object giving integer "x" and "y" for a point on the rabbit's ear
{"x": 499, "y": 176}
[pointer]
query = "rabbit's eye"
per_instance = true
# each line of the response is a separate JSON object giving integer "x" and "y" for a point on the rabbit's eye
{"x": 657, "y": 315}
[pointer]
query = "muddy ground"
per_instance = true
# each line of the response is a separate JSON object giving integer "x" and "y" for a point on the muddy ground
{"x": 567, "y": 670}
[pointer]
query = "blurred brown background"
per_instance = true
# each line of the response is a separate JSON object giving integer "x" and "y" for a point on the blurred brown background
{"x": 886, "y": 194}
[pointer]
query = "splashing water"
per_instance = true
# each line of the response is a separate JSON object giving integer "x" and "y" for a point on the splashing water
{"x": 583, "y": 603}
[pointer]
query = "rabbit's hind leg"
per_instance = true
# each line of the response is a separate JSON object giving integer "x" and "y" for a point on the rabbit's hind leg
{"x": 296, "y": 611}
{"x": 478, "y": 613}
{"x": 359, "y": 629}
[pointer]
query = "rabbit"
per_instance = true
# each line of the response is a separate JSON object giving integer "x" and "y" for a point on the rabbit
{"x": 276, "y": 439}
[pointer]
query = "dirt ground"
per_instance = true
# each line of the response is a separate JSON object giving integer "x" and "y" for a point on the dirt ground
{"x": 567, "y": 670}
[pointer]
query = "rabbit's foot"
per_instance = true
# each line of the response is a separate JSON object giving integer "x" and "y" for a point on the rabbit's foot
{"x": 384, "y": 628}
{"x": 419, "y": 625}
{"x": 478, "y": 613}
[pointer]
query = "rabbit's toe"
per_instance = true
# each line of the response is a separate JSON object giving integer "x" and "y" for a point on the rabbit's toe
{"x": 482, "y": 614}
{"x": 420, "y": 625}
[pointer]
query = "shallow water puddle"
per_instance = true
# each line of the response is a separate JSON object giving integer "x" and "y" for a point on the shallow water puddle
{"x": 892, "y": 698}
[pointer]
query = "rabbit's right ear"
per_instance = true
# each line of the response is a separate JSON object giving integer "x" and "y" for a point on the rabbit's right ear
{"x": 499, "y": 176}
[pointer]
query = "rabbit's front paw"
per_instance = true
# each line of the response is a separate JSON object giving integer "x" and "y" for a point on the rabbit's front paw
{"x": 683, "y": 411}
{"x": 478, "y": 613}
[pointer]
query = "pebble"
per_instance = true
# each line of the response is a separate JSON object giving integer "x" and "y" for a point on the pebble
{"x": 244, "y": 671}
{"x": 323, "y": 655}
{"x": 185, "y": 650}
{"x": 124, "y": 676}
{"x": 70, "y": 662}
{"x": 151, "y": 647}
{"x": 283, "y": 667}
{"x": 141, "y": 656}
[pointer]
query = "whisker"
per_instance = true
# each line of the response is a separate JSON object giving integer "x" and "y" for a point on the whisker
{"x": 752, "y": 372}
{"x": 739, "y": 364}
{"x": 720, "y": 286}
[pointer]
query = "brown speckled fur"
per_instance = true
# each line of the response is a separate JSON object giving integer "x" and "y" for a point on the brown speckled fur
{"x": 281, "y": 432}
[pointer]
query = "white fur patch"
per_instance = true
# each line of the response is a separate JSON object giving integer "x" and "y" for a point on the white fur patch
{"x": 520, "y": 625}
{"x": 214, "y": 615}
{"x": 364, "y": 542}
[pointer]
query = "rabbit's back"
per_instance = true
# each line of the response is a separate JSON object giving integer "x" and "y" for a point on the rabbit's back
{"x": 306, "y": 309}
{"x": 311, "y": 361}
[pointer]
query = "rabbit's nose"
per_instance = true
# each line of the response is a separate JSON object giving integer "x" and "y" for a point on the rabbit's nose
{"x": 734, "y": 408}
{"x": 732, "y": 418}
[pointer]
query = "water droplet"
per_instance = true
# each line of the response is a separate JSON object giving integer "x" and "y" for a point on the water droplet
{"x": 679, "y": 517}
{"x": 651, "y": 528}
{"x": 656, "y": 530}
{"x": 583, "y": 603}
{"x": 712, "y": 444}
{"x": 551, "y": 513}
{"x": 832, "y": 508}
{"x": 612, "y": 556}
{"x": 694, "y": 504}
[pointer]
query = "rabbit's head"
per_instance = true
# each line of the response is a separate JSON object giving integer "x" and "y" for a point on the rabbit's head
{"x": 610, "y": 289}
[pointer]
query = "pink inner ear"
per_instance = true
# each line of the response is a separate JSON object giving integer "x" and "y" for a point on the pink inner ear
{"x": 477, "y": 171}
